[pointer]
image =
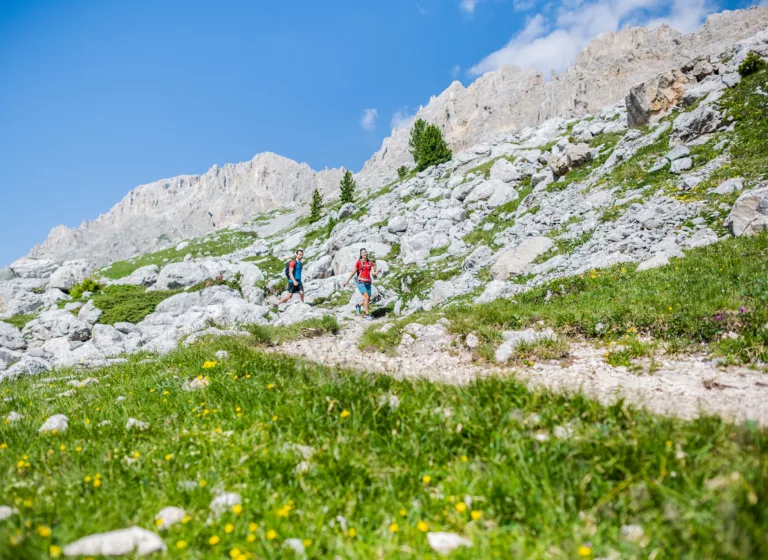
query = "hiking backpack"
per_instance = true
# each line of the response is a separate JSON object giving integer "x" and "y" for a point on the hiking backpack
{"x": 288, "y": 269}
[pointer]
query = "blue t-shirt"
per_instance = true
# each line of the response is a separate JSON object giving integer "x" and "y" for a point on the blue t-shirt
{"x": 297, "y": 270}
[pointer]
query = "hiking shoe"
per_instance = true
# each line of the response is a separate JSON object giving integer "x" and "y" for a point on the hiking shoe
{"x": 357, "y": 308}
{"x": 368, "y": 318}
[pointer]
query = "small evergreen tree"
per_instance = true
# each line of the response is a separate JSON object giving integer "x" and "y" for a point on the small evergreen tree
{"x": 402, "y": 172}
{"x": 316, "y": 207}
{"x": 415, "y": 141}
{"x": 347, "y": 187}
{"x": 433, "y": 150}
{"x": 753, "y": 63}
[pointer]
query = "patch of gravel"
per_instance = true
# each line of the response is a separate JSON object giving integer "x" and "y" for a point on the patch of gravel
{"x": 682, "y": 386}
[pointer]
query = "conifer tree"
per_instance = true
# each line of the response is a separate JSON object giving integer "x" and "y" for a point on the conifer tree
{"x": 402, "y": 171}
{"x": 415, "y": 141}
{"x": 347, "y": 187}
{"x": 316, "y": 207}
{"x": 433, "y": 150}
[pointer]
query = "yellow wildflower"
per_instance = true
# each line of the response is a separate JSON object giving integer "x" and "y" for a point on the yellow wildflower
{"x": 461, "y": 507}
{"x": 426, "y": 479}
{"x": 251, "y": 538}
{"x": 44, "y": 531}
{"x": 422, "y": 526}
{"x": 274, "y": 419}
{"x": 271, "y": 534}
{"x": 237, "y": 509}
{"x": 96, "y": 483}
{"x": 158, "y": 522}
{"x": 169, "y": 457}
{"x": 181, "y": 544}
{"x": 253, "y": 527}
{"x": 78, "y": 449}
{"x": 403, "y": 513}
{"x": 87, "y": 478}
{"x": 209, "y": 365}
{"x": 214, "y": 540}
{"x": 393, "y": 528}
{"x": 187, "y": 519}
{"x": 345, "y": 413}
{"x": 585, "y": 550}
{"x": 228, "y": 528}
{"x": 476, "y": 514}
{"x": 202, "y": 483}
{"x": 235, "y": 553}
{"x": 352, "y": 532}
{"x": 3, "y": 446}
{"x": 54, "y": 551}
{"x": 306, "y": 542}
{"x": 464, "y": 458}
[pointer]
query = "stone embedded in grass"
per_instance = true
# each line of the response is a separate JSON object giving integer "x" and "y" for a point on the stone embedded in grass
{"x": 57, "y": 422}
{"x": 632, "y": 533}
{"x": 13, "y": 416}
{"x": 117, "y": 543}
{"x": 656, "y": 261}
{"x": 302, "y": 468}
{"x": 513, "y": 339}
{"x": 224, "y": 501}
{"x": 749, "y": 214}
{"x": 134, "y": 424}
{"x": 295, "y": 544}
{"x": 197, "y": 383}
{"x": 472, "y": 341}
{"x": 169, "y": 516}
{"x": 222, "y": 355}
{"x": 7, "y": 511}
{"x": 84, "y": 382}
{"x": 445, "y": 543}
{"x": 305, "y": 451}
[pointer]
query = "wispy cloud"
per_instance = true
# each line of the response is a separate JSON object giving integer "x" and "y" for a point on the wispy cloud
{"x": 403, "y": 118}
{"x": 469, "y": 5}
{"x": 523, "y": 5}
{"x": 552, "y": 41}
{"x": 455, "y": 70}
{"x": 369, "y": 118}
{"x": 422, "y": 11}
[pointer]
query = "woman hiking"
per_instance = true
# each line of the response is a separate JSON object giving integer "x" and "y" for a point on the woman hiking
{"x": 365, "y": 269}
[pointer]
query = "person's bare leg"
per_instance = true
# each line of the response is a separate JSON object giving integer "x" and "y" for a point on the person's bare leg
{"x": 285, "y": 298}
{"x": 366, "y": 299}
{"x": 301, "y": 296}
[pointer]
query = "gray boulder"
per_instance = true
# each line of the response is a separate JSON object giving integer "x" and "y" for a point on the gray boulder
{"x": 680, "y": 165}
{"x": 397, "y": 224}
{"x": 27, "y": 365}
{"x": 11, "y": 337}
{"x": 656, "y": 261}
{"x": 33, "y": 268}
{"x": 484, "y": 190}
{"x": 479, "y": 258}
{"x": 729, "y": 186}
{"x": 519, "y": 259}
{"x": 70, "y": 273}
{"x": 688, "y": 126}
{"x": 56, "y": 323}
{"x": 144, "y": 276}
{"x": 749, "y": 214}
{"x": 89, "y": 313}
{"x": 319, "y": 268}
{"x": 506, "y": 171}
{"x": 678, "y": 152}
{"x": 117, "y": 543}
{"x": 7, "y": 274}
{"x": 416, "y": 247}
{"x": 181, "y": 275}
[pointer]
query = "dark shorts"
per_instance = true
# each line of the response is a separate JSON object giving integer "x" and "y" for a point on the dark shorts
{"x": 295, "y": 289}
{"x": 364, "y": 287}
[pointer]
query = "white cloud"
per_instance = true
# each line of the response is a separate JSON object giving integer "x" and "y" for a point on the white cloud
{"x": 525, "y": 5}
{"x": 552, "y": 42}
{"x": 456, "y": 69}
{"x": 403, "y": 118}
{"x": 469, "y": 5}
{"x": 368, "y": 121}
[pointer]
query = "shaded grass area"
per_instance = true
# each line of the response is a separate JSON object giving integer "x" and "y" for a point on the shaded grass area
{"x": 271, "y": 335}
{"x": 215, "y": 244}
{"x": 714, "y": 290}
{"x": 19, "y": 320}
{"x": 128, "y": 304}
{"x": 521, "y": 474}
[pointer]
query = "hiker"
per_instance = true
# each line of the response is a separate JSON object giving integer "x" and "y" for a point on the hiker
{"x": 365, "y": 270}
{"x": 293, "y": 273}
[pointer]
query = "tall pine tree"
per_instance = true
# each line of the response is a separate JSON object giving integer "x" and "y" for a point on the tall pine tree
{"x": 415, "y": 141}
{"x": 316, "y": 207}
{"x": 347, "y": 187}
{"x": 432, "y": 148}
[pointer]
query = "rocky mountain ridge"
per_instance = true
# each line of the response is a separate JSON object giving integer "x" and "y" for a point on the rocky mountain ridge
{"x": 165, "y": 212}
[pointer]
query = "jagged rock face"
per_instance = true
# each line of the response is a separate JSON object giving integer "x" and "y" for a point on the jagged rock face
{"x": 512, "y": 98}
{"x": 167, "y": 211}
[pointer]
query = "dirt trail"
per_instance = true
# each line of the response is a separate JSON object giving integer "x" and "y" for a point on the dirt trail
{"x": 685, "y": 387}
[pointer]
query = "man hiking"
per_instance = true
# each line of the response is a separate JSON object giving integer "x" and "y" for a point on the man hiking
{"x": 365, "y": 269}
{"x": 293, "y": 272}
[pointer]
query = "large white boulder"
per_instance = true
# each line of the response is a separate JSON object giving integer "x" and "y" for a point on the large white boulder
{"x": 55, "y": 324}
{"x": 33, "y": 268}
{"x": 70, "y": 273}
{"x": 182, "y": 275}
{"x": 117, "y": 543}
{"x": 11, "y": 337}
{"x": 505, "y": 171}
{"x": 144, "y": 276}
{"x": 519, "y": 259}
{"x": 416, "y": 248}
{"x": 484, "y": 190}
{"x": 749, "y": 214}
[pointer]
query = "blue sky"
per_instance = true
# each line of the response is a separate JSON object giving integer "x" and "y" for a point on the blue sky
{"x": 98, "y": 96}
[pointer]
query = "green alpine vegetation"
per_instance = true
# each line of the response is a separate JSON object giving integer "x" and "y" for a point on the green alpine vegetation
{"x": 347, "y": 188}
{"x": 520, "y": 474}
{"x": 316, "y": 207}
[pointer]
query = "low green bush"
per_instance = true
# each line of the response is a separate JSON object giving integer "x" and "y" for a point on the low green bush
{"x": 128, "y": 304}
{"x": 753, "y": 63}
{"x": 87, "y": 285}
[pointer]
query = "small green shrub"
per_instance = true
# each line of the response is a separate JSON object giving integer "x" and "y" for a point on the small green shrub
{"x": 128, "y": 304}
{"x": 402, "y": 172}
{"x": 753, "y": 63}
{"x": 87, "y": 285}
{"x": 19, "y": 321}
{"x": 269, "y": 335}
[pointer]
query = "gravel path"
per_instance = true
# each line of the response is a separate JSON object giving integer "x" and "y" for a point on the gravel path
{"x": 685, "y": 387}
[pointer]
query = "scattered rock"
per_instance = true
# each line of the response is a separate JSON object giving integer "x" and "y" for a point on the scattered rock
{"x": 296, "y": 545}
{"x": 518, "y": 260}
{"x": 57, "y": 422}
{"x": 656, "y": 261}
{"x": 680, "y": 165}
{"x": 134, "y": 424}
{"x": 7, "y": 511}
{"x": 169, "y": 516}
{"x": 13, "y": 416}
{"x": 632, "y": 533}
{"x": 445, "y": 543}
{"x": 749, "y": 214}
{"x": 472, "y": 341}
{"x": 223, "y": 502}
{"x": 117, "y": 543}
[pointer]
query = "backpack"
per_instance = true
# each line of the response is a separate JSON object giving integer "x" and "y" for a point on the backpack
{"x": 288, "y": 269}
{"x": 359, "y": 269}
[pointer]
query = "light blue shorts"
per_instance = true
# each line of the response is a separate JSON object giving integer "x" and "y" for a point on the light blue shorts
{"x": 365, "y": 288}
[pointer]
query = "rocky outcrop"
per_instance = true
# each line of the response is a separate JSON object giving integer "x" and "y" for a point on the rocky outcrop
{"x": 168, "y": 211}
{"x": 750, "y": 213}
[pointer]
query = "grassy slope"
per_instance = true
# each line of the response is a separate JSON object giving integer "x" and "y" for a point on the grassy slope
{"x": 536, "y": 499}
{"x": 695, "y": 299}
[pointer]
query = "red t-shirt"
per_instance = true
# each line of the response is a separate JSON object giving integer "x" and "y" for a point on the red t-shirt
{"x": 364, "y": 270}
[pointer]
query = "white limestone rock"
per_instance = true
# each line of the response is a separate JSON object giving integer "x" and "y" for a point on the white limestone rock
{"x": 133, "y": 540}
{"x": 57, "y": 422}
{"x": 749, "y": 214}
{"x": 518, "y": 260}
